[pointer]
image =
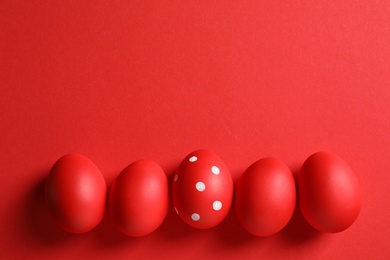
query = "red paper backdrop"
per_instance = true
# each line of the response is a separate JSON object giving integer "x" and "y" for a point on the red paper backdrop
{"x": 123, "y": 80}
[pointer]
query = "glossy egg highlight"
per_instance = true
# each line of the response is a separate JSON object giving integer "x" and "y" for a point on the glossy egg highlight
{"x": 329, "y": 192}
{"x": 265, "y": 197}
{"x": 139, "y": 198}
{"x": 75, "y": 192}
{"x": 202, "y": 189}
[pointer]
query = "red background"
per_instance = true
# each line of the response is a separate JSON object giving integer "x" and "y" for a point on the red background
{"x": 123, "y": 80}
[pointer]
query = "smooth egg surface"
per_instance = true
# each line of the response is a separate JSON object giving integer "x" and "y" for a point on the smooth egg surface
{"x": 139, "y": 198}
{"x": 265, "y": 197}
{"x": 76, "y": 193}
{"x": 329, "y": 192}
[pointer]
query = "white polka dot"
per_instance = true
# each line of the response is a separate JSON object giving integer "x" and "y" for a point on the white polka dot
{"x": 217, "y": 205}
{"x": 215, "y": 170}
{"x": 200, "y": 186}
{"x": 176, "y": 177}
{"x": 193, "y": 159}
{"x": 177, "y": 212}
{"x": 195, "y": 217}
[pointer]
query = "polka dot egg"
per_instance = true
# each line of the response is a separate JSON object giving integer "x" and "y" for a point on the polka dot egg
{"x": 202, "y": 190}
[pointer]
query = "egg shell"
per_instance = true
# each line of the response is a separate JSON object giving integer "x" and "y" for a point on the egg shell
{"x": 202, "y": 189}
{"x": 139, "y": 198}
{"x": 329, "y": 192}
{"x": 75, "y": 192}
{"x": 265, "y": 197}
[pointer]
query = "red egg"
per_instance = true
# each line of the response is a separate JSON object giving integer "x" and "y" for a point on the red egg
{"x": 328, "y": 192}
{"x": 139, "y": 198}
{"x": 76, "y": 193}
{"x": 265, "y": 197}
{"x": 202, "y": 190}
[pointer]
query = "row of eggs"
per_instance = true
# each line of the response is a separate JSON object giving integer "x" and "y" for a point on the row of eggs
{"x": 265, "y": 195}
